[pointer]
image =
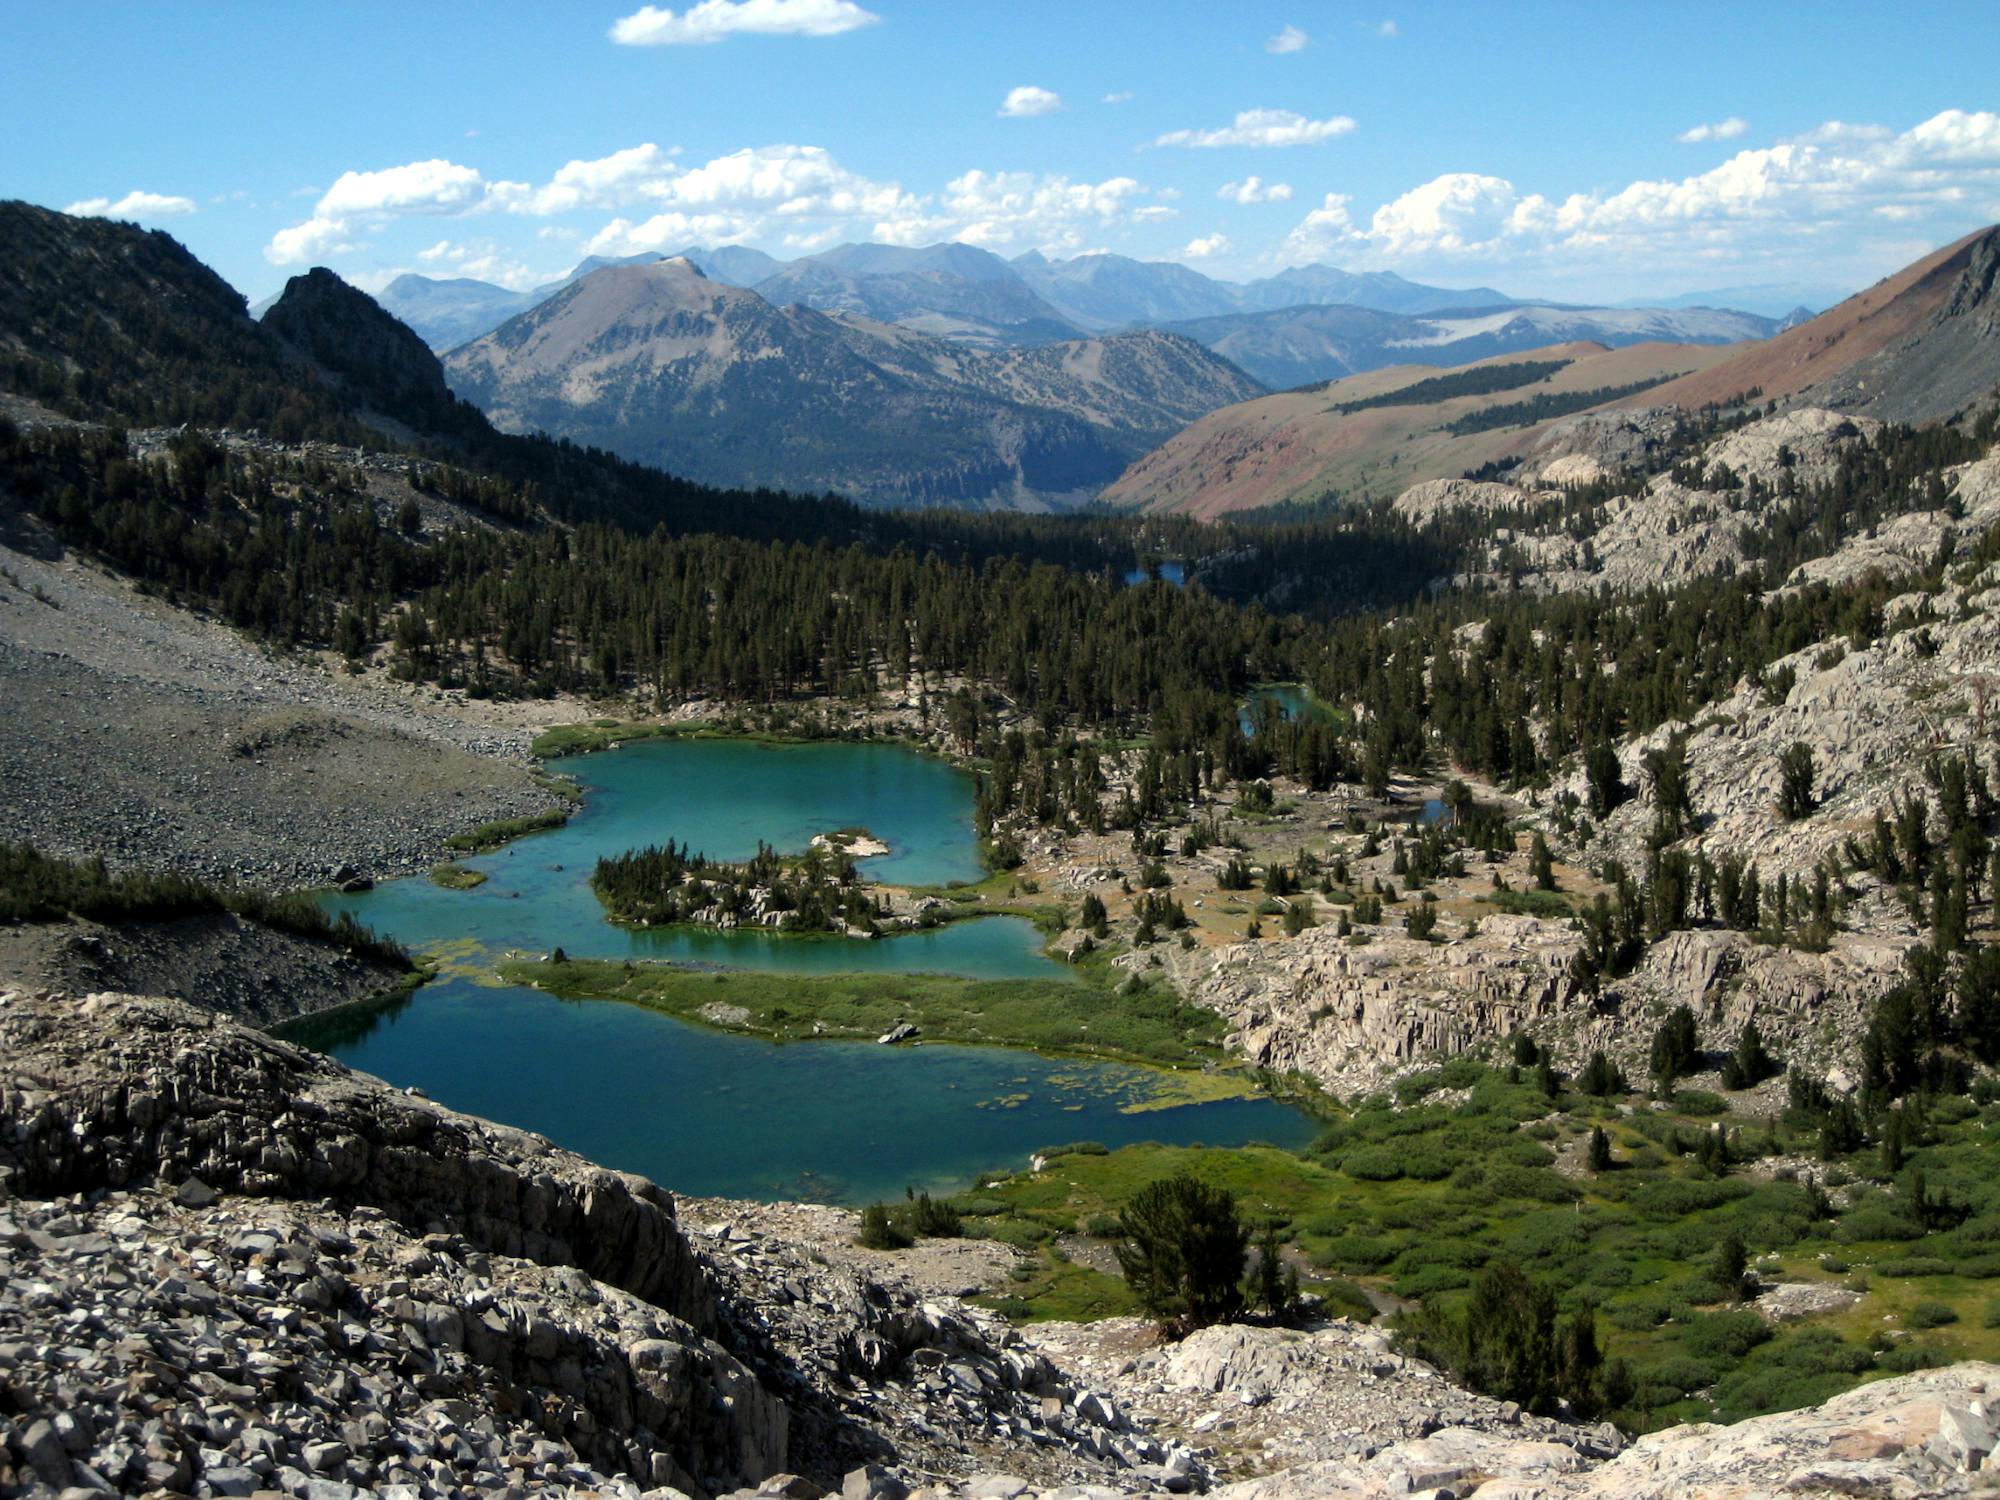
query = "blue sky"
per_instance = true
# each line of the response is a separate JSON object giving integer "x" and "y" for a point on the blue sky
{"x": 1589, "y": 151}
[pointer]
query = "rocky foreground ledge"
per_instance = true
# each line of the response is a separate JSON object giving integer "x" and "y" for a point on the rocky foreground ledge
{"x": 229, "y": 1266}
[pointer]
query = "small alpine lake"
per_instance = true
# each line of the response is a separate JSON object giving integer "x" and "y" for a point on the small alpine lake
{"x": 708, "y": 1110}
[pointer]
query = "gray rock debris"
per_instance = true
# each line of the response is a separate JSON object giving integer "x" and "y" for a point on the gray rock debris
{"x": 232, "y": 1265}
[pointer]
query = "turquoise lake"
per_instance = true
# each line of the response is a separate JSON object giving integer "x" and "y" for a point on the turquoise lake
{"x": 709, "y": 1112}
{"x": 720, "y": 797}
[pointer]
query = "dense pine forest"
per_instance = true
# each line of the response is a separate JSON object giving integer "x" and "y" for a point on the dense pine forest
{"x": 291, "y": 548}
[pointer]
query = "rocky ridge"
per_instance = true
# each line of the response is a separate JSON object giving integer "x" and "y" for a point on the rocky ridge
{"x": 175, "y": 1181}
{"x": 218, "y": 961}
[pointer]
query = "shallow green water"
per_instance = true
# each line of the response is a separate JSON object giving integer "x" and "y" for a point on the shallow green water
{"x": 714, "y": 1113}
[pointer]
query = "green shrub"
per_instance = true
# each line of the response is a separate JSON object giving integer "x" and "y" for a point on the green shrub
{"x": 1677, "y": 1197}
{"x": 1525, "y": 1153}
{"x": 1428, "y": 1281}
{"x": 880, "y": 1231}
{"x": 1684, "y": 1373}
{"x": 1373, "y": 1164}
{"x": 1800, "y": 1369}
{"x": 1445, "y": 1250}
{"x": 1351, "y": 1252}
{"x": 1724, "y": 1335}
{"x": 1877, "y": 1220}
{"x": 1537, "y": 1183}
{"x": 1638, "y": 1315}
{"x": 1932, "y": 1315}
{"x": 1906, "y": 1358}
{"x": 1915, "y": 1265}
{"x": 1700, "y": 1102}
{"x": 1430, "y": 1166}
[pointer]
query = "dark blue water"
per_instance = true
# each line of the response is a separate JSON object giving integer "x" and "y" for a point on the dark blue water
{"x": 1170, "y": 572}
{"x": 718, "y": 1114}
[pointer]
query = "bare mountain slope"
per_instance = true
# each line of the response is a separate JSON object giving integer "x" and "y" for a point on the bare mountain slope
{"x": 1297, "y": 445}
{"x": 1918, "y": 345}
{"x": 661, "y": 365}
{"x": 1290, "y": 346}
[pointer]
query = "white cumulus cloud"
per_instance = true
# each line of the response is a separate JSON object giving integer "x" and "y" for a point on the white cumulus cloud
{"x": 1446, "y": 214}
{"x": 1255, "y": 190}
{"x": 1934, "y": 181}
{"x": 1122, "y": 96}
{"x": 302, "y": 242}
{"x": 788, "y": 180}
{"x": 631, "y": 175}
{"x": 714, "y": 20}
{"x": 1291, "y": 39}
{"x": 1262, "y": 127}
{"x": 420, "y": 187}
{"x": 668, "y": 231}
{"x": 434, "y": 187}
{"x": 1720, "y": 130}
{"x": 1010, "y": 208}
{"x": 1206, "y": 246}
{"x": 134, "y": 205}
{"x": 1030, "y": 100}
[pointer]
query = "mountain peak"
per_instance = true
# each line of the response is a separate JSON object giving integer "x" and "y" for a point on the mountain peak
{"x": 377, "y": 362}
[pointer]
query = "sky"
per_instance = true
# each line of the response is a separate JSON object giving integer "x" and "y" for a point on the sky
{"x": 1591, "y": 152}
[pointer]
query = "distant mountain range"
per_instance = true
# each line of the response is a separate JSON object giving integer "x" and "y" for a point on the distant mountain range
{"x": 660, "y": 364}
{"x": 1305, "y": 324}
{"x": 1922, "y": 345}
{"x": 953, "y": 291}
{"x": 1772, "y": 299}
{"x": 1294, "y": 346}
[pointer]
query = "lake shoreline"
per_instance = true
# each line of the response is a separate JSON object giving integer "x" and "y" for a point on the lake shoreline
{"x": 848, "y": 1008}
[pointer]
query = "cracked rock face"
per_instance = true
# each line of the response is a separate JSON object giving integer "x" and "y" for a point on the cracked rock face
{"x": 114, "y": 1091}
{"x": 1347, "y": 1015}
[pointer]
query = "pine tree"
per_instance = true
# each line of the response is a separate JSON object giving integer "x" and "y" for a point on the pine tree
{"x": 1749, "y": 1064}
{"x": 1674, "y": 1050}
{"x": 1795, "y": 782}
{"x": 1183, "y": 1252}
{"x": 1600, "y": 1150}
{"x": 1542, "y": 864}
{"x": 1729, "y": 1266}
